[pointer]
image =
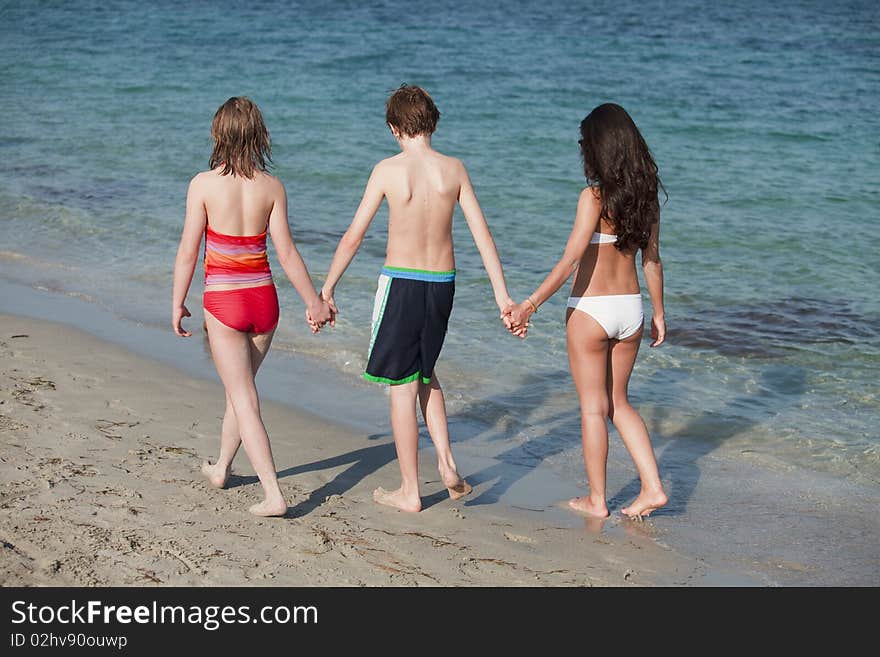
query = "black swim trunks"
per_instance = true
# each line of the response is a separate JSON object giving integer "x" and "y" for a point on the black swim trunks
{"x": 410, "y": 317}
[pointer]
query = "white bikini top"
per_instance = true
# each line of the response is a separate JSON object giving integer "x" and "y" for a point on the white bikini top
{"x": 603, "y": 238}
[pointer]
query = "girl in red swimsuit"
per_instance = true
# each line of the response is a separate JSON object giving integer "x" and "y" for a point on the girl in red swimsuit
{"x": 235, "y": 206}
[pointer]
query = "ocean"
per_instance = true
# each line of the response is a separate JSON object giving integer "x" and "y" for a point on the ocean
{"x": 762, "y": 118}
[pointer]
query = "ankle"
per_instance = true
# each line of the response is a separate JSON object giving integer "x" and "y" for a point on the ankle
{"x": 446, "y": 464}
{"x": 273, "y": 492}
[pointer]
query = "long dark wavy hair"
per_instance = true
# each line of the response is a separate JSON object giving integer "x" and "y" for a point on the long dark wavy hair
{"x": 617, "y": 161}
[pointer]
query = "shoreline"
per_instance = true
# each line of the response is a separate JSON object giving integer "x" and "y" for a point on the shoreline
{"x": 736, "y": 517}
{"x": 100, "y": 486}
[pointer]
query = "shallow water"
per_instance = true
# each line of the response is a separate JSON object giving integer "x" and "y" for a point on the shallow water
{"x": 762, "y": 118}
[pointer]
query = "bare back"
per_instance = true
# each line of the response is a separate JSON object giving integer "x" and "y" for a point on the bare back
{"x": 605, "y": 270}
{"x": 422, "y": 189}
{"x": 236, "y": 205}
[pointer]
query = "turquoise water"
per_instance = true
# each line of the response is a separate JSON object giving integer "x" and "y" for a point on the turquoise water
{"x": 763, "y": 120}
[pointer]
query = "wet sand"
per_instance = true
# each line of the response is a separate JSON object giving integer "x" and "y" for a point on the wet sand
{"x": 99, "y": 485}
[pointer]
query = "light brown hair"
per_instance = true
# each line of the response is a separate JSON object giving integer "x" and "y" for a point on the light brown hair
{"x": 241, "y": 141}
{"x": 411, "y": 110}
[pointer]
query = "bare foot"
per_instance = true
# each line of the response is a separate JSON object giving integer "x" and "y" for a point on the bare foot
{"x": 460, "y": 489}
{"x": 456, "y": 486}
{"x": 269, "y": 509}
{"x": 586, "y": 506}
{"x": 215, "y": 475}
{"x": 397, "y": 499}
{"x": 644, "y": 504}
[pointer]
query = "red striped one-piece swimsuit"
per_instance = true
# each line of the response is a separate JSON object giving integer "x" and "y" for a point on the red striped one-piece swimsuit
{"x": 241, "y": 260}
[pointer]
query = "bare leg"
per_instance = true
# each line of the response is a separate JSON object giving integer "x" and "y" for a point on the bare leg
{"x": 632, "y": 428}
{"x": 230, "y": 439}
{"x": 434, "y": 411}
{"x": 587, "y": 358}
{"x": 404, "y": 425}
{"x": 231, "y": 351}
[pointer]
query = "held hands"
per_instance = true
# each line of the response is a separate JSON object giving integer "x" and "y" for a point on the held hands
{"x": 519, "y": 319}
{"x": 516, "y": 317}
{"x": 177, "y": 315}
{"x": 505, "y": 307}
{"x": 658, "y": 330}
{"x": 320, "y": 312}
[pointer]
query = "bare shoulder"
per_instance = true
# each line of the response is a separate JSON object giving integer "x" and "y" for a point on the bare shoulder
{"x": 449, "y": 161}
{"x": 200, "y": 182}
{"x": 454, "y": 166}
{"x": 272, "y": 183}
{"x": 382, "y": 166}
{"x": 201, "y": 178}
{"x": 387, "y": 167}
{"x": 590, "y": 197}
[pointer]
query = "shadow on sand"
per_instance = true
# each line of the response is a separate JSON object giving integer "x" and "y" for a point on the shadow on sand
{"x": 678, "y": 453}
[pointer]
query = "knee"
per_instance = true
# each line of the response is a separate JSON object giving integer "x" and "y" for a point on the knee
{"x": 427, "y": 389}
{"x": 406, "y": 392}
{"x": 618, "y": 403}
{"x": 595, "y": 408}
{"x": 245, "y": 406}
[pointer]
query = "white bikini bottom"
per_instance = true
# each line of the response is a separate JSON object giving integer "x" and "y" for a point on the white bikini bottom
{"x": 620, "y": 315}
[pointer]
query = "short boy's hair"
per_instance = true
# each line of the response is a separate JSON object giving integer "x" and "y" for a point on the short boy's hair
{"x": 411, "y": 110}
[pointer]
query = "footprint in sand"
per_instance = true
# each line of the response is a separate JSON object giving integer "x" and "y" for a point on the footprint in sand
{"x": 117, "y": 405}
{"x": 517, "y": 538}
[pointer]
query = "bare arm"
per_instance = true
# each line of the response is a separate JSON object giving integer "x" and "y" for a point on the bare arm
{"x": 292, "y": 263}
{"x": 586, "y": 219}
{"x": 653, "y": 270}
{"x": 354, "y": 236}
{"x": 187, "y": 254}
{"x": 479, "y": 228}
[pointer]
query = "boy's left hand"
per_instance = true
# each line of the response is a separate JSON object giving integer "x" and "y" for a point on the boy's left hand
{"x": 312, "y": 323}
{"x": 320, "y": 313}
{"x": 331, "y": 303}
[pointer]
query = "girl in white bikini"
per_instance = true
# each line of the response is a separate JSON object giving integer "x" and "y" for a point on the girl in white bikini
{"x": 617, "y": 215}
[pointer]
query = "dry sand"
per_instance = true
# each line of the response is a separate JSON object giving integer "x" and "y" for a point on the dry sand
{"x": 100, "y": 485}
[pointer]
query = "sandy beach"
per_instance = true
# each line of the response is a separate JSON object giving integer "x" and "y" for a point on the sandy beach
{"x": 100, "y": 486}
{"x": 762, "y": 405}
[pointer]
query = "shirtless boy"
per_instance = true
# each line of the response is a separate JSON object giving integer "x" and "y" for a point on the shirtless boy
{"x": 417, "y": 283}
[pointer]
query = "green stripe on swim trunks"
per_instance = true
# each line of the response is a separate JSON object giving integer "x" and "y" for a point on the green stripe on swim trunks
{"x": 420, "y": 274}
{"x": 382, "y": 379}
{"x": 420, "y": 271}
{"x": 412, "y": 377}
